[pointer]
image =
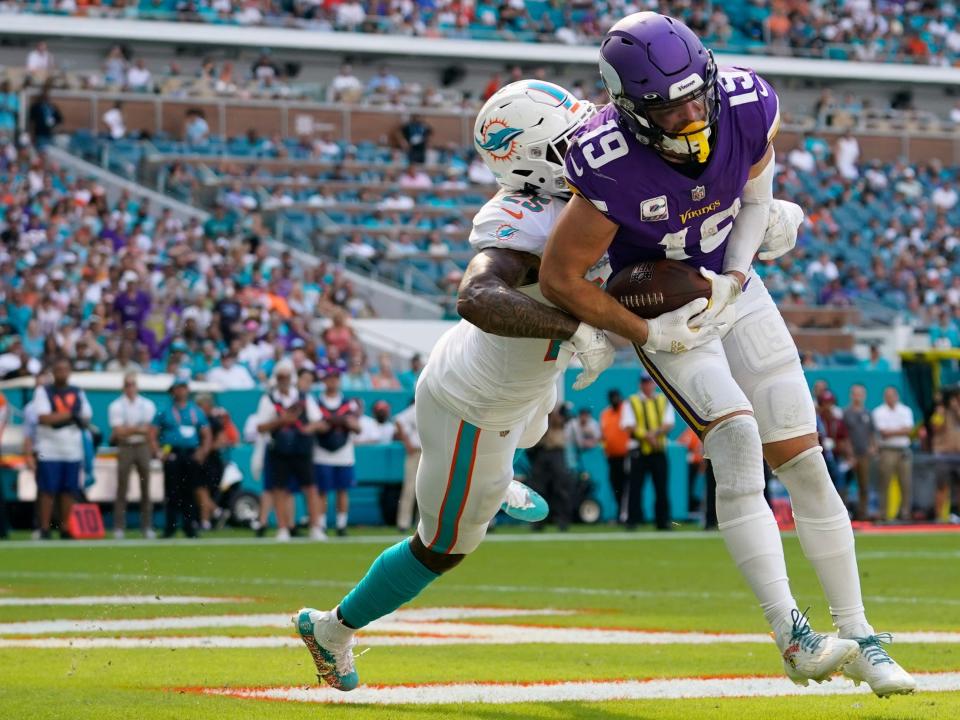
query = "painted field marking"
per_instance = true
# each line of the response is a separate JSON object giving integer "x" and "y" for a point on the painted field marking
{"x": 119, "y": 600}
{"x": 501, "y": 693}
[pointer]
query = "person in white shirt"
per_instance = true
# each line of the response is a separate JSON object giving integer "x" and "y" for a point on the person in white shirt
{"x": 415, "y": 178}
{"x": 130, "y": 417}
{"x": 379, "y": 429}
{"x": 113, "y": 119}
{"x": 290, "y": 417}
{"x": 345, "y": 87}
{"x": 139, "y": 77}
{"x": 583, "y": 431}
{"x": 40, "y": 60}
{"x": 231, "y": 375}
{"x": 894, "y": 423}
{"x": 62, "y": 415}
{"x": 407, "y": 433}
{"x": 334, "y": 457}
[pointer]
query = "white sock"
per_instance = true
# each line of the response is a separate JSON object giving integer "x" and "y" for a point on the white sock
{"x": 826, "y": 536}
{"x": 745, "y": 521}
{"x": 322, "y": 522}
{"x": 753, "y": 541}
{"x": 341, "y": 520}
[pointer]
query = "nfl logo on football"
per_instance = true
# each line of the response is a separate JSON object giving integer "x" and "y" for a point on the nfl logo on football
{"x": 698, "y": 193}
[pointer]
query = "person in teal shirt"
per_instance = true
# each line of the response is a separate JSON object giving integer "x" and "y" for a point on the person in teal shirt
{"x": 180, "y": 436}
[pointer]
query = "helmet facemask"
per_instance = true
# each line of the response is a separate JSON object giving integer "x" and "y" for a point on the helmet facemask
{"x": 679, "y": 127}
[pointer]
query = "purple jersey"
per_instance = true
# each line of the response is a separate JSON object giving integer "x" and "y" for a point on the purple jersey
{"x": 662, "y": 212}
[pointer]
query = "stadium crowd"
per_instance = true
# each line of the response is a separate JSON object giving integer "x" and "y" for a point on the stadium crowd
{"x": 882, "y": 30}
{"x": 118, "y": 286}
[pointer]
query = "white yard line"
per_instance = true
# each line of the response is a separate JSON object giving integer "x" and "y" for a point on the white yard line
{"x": 385, "y": 540}
{"x": 491, "y": 588}
{"x": 119, "y": 600}
{"x": 500, "y": 693}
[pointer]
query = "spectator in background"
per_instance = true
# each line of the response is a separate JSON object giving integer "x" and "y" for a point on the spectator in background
{"x": 696, "y": 466}
{"x": 408, "y": 434}
{"x": 357, "y": 377}
{"x": 196, "y": 131}
{"x": 583, "y": 432}
{"x": 63, "y": 413}
{"x": 944, "y": 334}
{"x": 130, "y": 416}
{"x": 40, "y": 60}
{"x": 834, "y": 440}
{"x": 223, "y": 436}
{"x": 414, "y": 137}
{"x": 334, "y": 457}
{"x": 415, "y": 178}
{"x": 290, "y": 417}
{"x": 875, "y": 361}
{"x": 408, "y": 378}
{"x": 894, "y": 423}
{"x": 180, "y": 437}
{"x": 345, "y": 87}
{"x": 649, "y": 418}
{"x": 43, "y": 117}
{"x": 549, "y": 474}
{"x": 847, "y": 155}
{"x": 113, "y": 119}
{"x": 616, "y": 440}
{"x": 945, "y": 429}
{"x": 139, "y": 77}
{"x": 385, "y": 378}
{"x": 340, "y": 335}
{"x": 863, "y": 446}
{"x": 380, "y": 430}
{"x": 384, "y": 82}
{"x": 231, "y": 375}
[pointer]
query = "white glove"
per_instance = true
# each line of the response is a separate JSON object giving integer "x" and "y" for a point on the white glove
{"x": 671, "y": 332}
{"x": 595, "y": 351}
{"x": 724, "y": 291}
{"x": 781, "y": 236}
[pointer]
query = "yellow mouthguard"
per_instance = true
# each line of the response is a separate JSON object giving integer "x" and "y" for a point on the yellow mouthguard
{"x": 696, "y": 132}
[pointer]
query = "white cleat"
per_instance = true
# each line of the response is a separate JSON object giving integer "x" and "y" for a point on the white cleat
{"x": 283, "y": 535}
{"x": 877, "y": 669}
{"x": 809, "y": 655}
{"x": 318, "y": 534}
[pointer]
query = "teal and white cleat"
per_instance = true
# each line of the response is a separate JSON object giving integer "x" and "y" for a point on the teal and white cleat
{"x": 331, "y": 645}
{"x": 877, "y": 669}
{"x": 524, "y": 503}
{"x": 809, "y": 655}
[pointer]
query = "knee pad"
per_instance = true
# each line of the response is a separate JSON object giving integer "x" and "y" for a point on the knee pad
{"x": 734, "y": 448}
{"x": 812, "y": 493}
{"x": 783, "y": 406}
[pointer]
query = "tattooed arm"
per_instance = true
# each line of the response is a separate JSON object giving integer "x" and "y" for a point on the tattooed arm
{"x": 489, "y": 299}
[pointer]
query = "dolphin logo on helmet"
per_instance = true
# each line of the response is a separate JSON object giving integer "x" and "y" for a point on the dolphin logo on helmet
{"x": 663, "y": 82}
{"x": 523, "y": 131}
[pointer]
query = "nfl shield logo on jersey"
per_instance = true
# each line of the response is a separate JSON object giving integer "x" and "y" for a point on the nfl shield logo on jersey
{"x": 698, "y": 193}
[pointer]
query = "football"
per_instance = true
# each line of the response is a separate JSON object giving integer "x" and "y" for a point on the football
{"x": 653, "y": 287}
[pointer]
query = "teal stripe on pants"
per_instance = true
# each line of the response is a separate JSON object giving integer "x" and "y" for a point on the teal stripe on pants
{"x": 457, "y": 489}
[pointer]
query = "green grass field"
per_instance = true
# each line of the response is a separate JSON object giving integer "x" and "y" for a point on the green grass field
{"x": 603, "y": 586}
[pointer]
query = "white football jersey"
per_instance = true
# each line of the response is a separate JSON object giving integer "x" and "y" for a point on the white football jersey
{"x": 497, "y": 382}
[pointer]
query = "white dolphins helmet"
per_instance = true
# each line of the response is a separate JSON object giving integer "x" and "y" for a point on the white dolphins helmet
{"x": 523, "y": 131}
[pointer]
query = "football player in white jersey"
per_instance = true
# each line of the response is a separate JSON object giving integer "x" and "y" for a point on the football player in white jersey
{"x": 491, "y": 380}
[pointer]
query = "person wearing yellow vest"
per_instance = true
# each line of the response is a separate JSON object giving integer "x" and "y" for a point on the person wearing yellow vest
{"x": 649, "y": 418}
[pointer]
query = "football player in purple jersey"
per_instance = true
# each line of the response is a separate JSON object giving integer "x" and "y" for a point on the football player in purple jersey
{"x": 680, "y": 165}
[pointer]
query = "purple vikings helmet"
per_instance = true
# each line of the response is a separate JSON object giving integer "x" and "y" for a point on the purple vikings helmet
{"x": 663, "y": 82}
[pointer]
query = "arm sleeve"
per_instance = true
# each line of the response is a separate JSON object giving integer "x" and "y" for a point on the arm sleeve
{"x": 627, "y": 418}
